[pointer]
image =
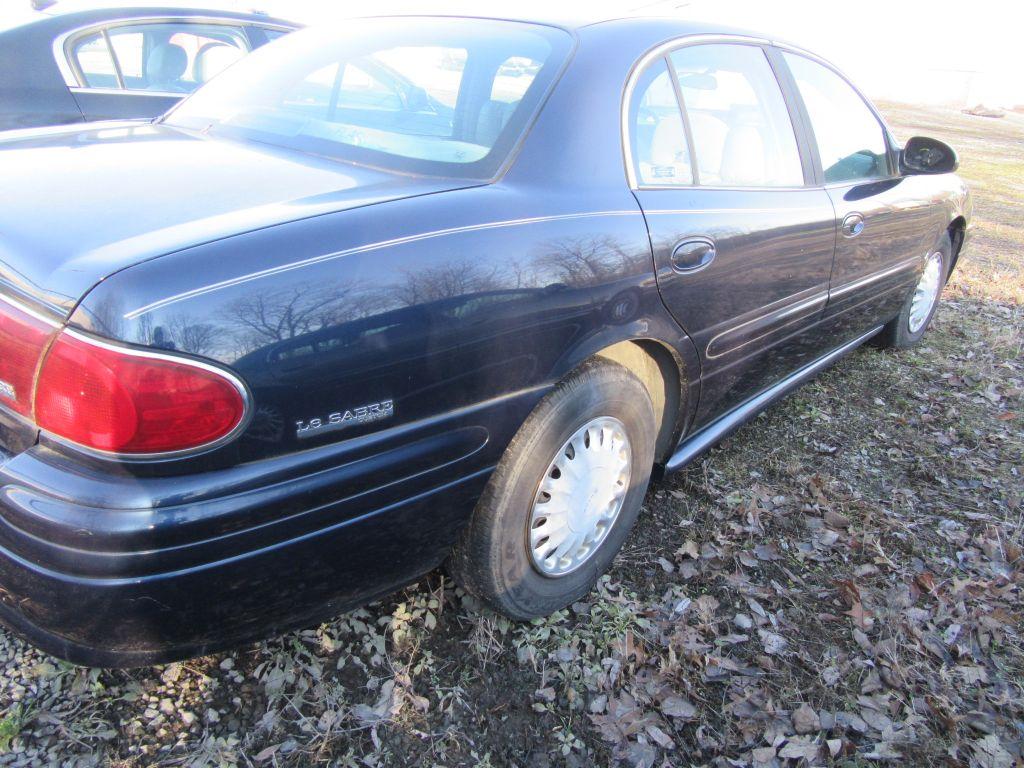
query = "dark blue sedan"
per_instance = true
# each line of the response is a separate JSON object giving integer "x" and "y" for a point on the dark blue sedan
{"x": 76, "y": 62}
{"x": 419, "y": 291}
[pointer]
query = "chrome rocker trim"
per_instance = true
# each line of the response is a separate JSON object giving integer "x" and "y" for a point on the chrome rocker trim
{"x": 700, "y": 441}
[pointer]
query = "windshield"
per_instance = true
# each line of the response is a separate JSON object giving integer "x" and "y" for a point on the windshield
{"x": 439, "y": 96}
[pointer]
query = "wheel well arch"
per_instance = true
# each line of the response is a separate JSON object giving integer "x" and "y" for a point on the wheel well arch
{"x": 662, "y": 373}
{"x": 957, "y": 230}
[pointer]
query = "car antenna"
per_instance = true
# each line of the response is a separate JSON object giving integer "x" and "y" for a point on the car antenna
{"x": 42, "y": 5}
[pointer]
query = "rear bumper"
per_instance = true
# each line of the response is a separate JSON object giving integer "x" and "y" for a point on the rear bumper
{"x": 136, "y": 620}
{"x": 114, "y": 570}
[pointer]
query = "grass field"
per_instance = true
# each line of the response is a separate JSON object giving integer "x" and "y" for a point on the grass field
{"x": 840, "y": 582}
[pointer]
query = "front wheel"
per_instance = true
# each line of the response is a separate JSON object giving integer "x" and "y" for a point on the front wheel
{"x": 564, "y": 496}
{"x": 907, "y": 328}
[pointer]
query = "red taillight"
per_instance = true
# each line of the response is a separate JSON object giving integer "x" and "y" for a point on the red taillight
{"x": 23, "y": 339}
{"x": 121, "y": 401}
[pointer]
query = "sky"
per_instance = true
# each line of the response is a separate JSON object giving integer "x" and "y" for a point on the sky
{"x": 921, "y": 51}
{"x": 925, "y": 51}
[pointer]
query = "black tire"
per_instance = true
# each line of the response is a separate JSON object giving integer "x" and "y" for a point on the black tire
{"x": 897, "y": 334}
{"x": 492, "y": 559}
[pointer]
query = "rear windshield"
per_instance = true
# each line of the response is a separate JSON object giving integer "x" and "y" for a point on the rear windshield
{"x": 446, "y": 97}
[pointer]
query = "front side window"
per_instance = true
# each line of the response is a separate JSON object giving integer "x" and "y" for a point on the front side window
{"x": 850, "y": 140}
{"x": 741, "y": 130}
{"x": 437, "y": 96}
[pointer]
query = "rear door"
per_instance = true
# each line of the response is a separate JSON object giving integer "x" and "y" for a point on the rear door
{"x": 885, "y": 229}
{"x": 743, "y": 241}
{"x": 142, "y": 69}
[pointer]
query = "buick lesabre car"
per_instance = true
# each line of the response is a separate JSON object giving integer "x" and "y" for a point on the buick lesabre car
{"x": 75, "y": 62}
{"x": 423, "y": 291}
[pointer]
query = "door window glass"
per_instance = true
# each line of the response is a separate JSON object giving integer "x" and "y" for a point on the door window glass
{"x": 662, "y": 157}
{"x": 851, "y": 142}
{"x": 94, "y": 61}
{"x": 174, "y": 57}
{"x": 128, "y": 49}
{"x": 739, "y": 122}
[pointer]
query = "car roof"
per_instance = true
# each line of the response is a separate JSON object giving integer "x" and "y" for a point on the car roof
{"x": 99, "y": 10}
{"x": 637, "y": 25}
{"x": 61, "y": 7}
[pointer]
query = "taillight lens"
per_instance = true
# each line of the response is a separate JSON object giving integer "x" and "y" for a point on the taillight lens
{"x": 23, "y": 339}
{"x": 121, "y": 401}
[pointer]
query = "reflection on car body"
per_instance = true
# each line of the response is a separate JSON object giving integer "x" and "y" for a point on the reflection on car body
{"x": 417, "y": 291}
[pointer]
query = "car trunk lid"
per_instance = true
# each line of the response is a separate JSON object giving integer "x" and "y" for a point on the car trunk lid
{"x": 78, "y": 205}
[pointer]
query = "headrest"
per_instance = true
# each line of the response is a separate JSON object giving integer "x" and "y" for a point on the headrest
{"x": 166, "y": 63}
{"x": 212, "y": 59}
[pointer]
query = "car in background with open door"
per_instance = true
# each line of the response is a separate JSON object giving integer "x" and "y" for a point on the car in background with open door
{"x": 71, "y": 63}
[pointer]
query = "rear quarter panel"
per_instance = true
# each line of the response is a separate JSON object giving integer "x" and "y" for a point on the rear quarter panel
{"x": 433, "y": 305}
{"x": 32, "y": 92}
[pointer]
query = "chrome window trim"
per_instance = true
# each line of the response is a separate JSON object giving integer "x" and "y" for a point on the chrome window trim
{"x": 666, "y": 48}
{"x": 224, "y": 373}
{"x": 639, "y": 67}
{"x": 652, "y": 187}
{"x": 126, "y": 92}
{"x": 73, "y": 78}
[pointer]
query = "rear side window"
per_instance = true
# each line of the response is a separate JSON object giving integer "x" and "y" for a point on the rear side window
{"x": 742, "y": 134}
{"x": 661, "y": 155}
{"x": 95, "y": 62}
{"x": 174, "y": 58}
{"x": 851, "y": 142}
{"x": 165, "y": 57}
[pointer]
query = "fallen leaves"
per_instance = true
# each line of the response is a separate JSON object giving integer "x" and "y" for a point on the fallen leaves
{"x": 774, "y": 644}
{"x": 806, "y": 720}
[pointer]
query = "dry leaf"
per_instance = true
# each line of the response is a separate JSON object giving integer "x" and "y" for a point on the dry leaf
{"x": 774, "y": 645}
{"x": 674, "y": 706}
{"x": 805, "y": 720}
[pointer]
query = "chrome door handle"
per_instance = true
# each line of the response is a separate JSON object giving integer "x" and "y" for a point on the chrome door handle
{"x": 853, "y": 225}
{"x": 693, "y": 255}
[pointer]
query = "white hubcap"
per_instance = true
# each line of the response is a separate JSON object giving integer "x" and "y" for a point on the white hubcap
{"x": 580, "y": 497}
{"x": 926, "y": 293}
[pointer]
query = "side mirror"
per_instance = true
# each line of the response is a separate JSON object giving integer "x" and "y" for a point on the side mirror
{"x": 922, "y": 155}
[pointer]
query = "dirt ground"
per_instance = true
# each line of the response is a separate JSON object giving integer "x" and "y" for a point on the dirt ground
{"x": 839, "y": 583}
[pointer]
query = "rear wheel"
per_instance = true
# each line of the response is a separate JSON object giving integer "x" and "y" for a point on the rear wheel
{"x": 564, "y": 496}
{"x": 907, "y": 328}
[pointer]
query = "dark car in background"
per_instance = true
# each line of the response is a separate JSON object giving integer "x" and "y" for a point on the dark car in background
{"x": 423, "y": 290}
{"x": 73, "y": 63}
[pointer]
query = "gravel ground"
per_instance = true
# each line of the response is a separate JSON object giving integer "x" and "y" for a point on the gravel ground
{"x": 839, "y": 583}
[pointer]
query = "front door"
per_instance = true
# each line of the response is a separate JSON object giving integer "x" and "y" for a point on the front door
{"x": 885, "y": 230}
{"x": 743, "y": 242}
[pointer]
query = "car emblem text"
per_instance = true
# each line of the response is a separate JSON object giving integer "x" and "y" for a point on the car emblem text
{"x": 364, "y": 414}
